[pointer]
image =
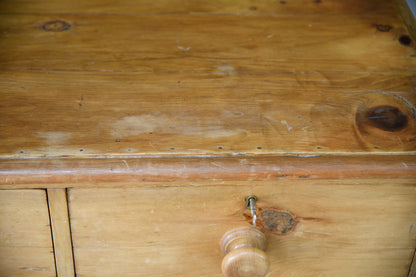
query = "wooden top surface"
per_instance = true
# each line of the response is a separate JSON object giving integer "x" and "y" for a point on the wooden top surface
{"x": 163, "y": 78}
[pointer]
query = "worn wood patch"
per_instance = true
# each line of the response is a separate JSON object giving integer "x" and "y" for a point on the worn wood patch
{"x": 110, "y": 114}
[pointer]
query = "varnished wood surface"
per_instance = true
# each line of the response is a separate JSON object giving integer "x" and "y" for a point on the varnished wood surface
{"x": 344, "y": 228}
{"x": 61, "y": 173}
{"x": 408, "y": 15}
{"x": 188, "y": 105}
{"x": 161, "y": 78}
{"x": 244, "y": 7}
{"x": 61, "y": 233}
{"x": 205, "y": 43}
{"x": 25, "y": 237}
{"x": 54, "y": 113}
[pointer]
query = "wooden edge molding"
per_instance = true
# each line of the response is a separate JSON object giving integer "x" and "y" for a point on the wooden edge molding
{"x": 51, "y": 173}
{"x": 61, "y": 234}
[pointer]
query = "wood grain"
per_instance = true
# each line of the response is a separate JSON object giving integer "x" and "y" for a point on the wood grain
{"x": 165, "y": 171}
{"x": 163, "y": 115}
{"x": 201, "y": 43}
{"x": 246, "y": 7}
{"x": 61, "y": 234}
{"x": 408, "y": 16}
{"x": 25, "y": 236}
{"x": 111, "y": 113}
{"x": 344, "y": 227}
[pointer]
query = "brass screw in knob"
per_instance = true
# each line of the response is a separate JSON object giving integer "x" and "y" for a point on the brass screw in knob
{"x": 243, "y": 248}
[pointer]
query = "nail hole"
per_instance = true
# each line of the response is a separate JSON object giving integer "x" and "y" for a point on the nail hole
{"x": 219, "y": 147}
{"x": 172, "y": 148}
{"x": 253, "y": 8}
{"x": 259, "y": 147}
{"x": 81, "y": 150}
{"x": 129, "y": 149}
{"x": 21, "y": 152}
{"x": 117, "y": 140}
{"x": 405, "y": 40}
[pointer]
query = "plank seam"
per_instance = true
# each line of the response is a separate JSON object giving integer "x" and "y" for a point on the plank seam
{"x": 385, "y": 12}
{"x": 207, "y": 71}
{"x": 207, "y": 156}
{"x": 52, "y": 236}
{"x": 412, "y": 273}
{"x": 70, "y": 229}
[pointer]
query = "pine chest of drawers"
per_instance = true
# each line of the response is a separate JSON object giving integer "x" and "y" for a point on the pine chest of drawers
{"x": 132, "y": 132}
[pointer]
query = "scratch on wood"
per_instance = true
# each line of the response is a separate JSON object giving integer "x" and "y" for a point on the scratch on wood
{"x": 151, "y": 144}
{"x": 287, "y": 125}
{"x": 400, "y": 140}
{"x": 270, "y": 121}
{"x": 218, "y": 165}
{"x": 126, "y": 164}
{"x": 33, "y": 268}
{"x": 226, "y": 68}
{"x": 184, "y": 49}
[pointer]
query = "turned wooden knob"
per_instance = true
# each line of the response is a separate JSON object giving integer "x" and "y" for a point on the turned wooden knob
{"x": 243, "y": 248}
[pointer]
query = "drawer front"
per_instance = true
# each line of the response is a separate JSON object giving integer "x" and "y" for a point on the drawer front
{"x": 25, "y": 235}
{"x": 343, "y": 228}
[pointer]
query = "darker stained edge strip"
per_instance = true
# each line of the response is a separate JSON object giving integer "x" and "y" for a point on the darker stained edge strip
{"x": 52, "y": 172}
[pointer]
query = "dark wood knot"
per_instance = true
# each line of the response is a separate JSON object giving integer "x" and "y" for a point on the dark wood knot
{"x": 276, "y": 222}
{"x": 56, "y": 26}
{"x": 383, "y": 28}
{"x": 386, "y": 118}
{"x": 405, "y": 40}
{"x": 387, "y": 122}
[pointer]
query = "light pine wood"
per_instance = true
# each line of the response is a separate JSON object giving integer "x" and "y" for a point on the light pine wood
{"x": 61, "y": 233}
{"x": 205, "y": 43}
{"x": 246, "y": 7}
{"x": 344, "y": 227}
{"x": 25, "y": 236}
{"x": 163, "y": 115}
{"x": 243, "y": 248}
{"x": 408, "y": 16}
{"x": 48, "y": 114}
